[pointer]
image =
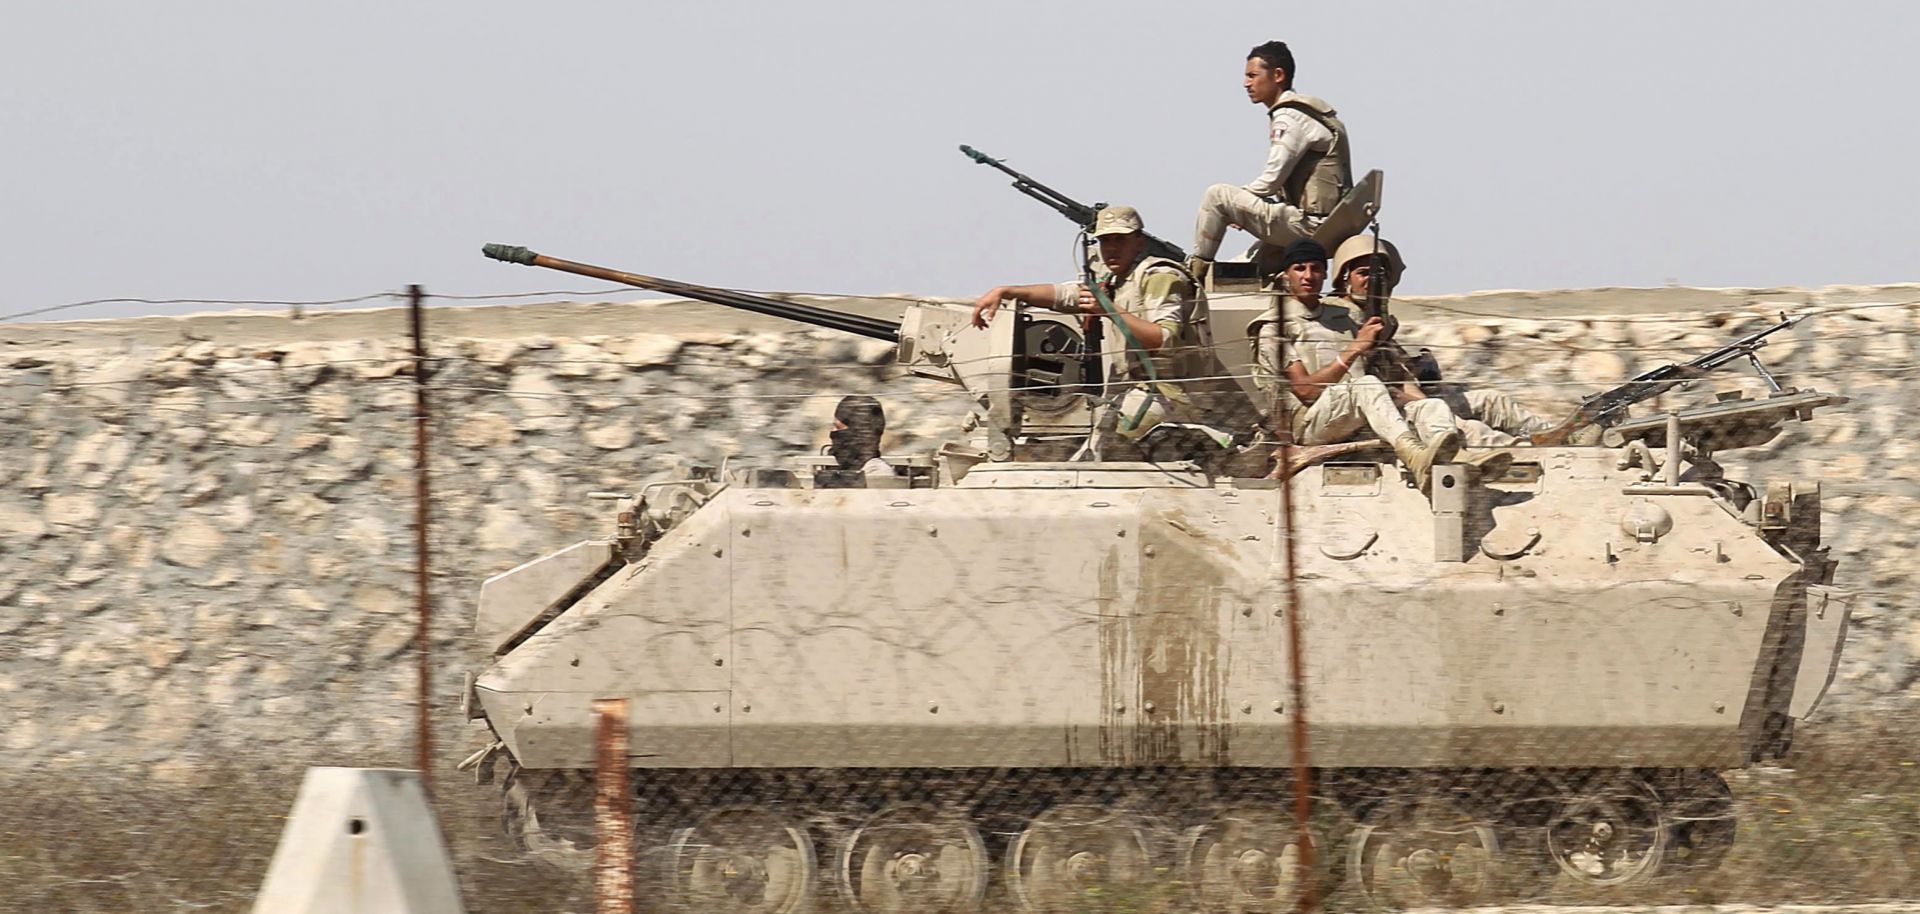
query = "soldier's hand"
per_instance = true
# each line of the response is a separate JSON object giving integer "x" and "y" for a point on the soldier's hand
{"x": 1283, "y": 460}
{"x": 1369, "y": 333}
{"x": 1085, "y": 303}
{"x": 985, "y": 307}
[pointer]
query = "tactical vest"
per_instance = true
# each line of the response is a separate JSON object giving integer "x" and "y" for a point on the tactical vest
{"x": 1282, "y": 313}
{"x": 1127, "y": 299}
{"x": 1196, "y": 386}
{"x": 1320, "y": 179}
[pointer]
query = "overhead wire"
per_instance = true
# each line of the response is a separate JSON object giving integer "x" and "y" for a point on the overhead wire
{"x": 1499, "y": 344}
{"x": 311, "y": 303}
{"x": 1756, "y": 300}
{"x": 404, "y": 366}
{"x": 1757, "y": 306}
{"x": 1693, "y": 315}
{"x": 1586, "y": 385}
{"x": 812, "y": 364}
{"x": 401, "y": 296}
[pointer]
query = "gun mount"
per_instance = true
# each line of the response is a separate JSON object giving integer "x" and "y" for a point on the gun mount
{"x": 1032, "y": 380}
{"x": 1079, "y": 213}
{"x": 1609, "y": 408}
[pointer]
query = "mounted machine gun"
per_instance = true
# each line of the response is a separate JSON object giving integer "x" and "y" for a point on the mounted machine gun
{"x": 1032, "y": 380}
{"x": 1609, "y": 408}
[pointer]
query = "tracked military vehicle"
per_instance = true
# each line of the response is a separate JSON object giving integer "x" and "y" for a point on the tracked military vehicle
{"x": 1000, "y": 670}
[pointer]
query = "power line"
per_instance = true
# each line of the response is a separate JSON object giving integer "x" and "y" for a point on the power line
{"x": 601, "y": 293}
{"x": 316, "y": 303}
{"x": 809, "y": 364}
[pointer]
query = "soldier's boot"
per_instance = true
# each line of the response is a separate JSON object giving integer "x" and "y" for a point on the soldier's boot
{"x": 1421, "y": 458}
{"x": 1200, "y": 267}
{"x": 1442, "y": 448}
{"x": 1488, "y": 464}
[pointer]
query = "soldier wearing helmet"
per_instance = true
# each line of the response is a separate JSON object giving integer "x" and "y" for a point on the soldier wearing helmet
{"x": 1365, "y": 271}
{"x": 1313, "y": 358}
{"x": 1308, "y": 169}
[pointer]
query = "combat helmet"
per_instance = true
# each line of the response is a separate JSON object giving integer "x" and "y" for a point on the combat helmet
{"x": 1362, "y": 246}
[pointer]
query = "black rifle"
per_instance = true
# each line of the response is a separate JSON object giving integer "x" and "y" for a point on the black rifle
{"x": 1609, "y": 407}
{"x": 1395, "y": 365}
{"x": 1376, "y": 303}
{"x": 1079, "y": 213}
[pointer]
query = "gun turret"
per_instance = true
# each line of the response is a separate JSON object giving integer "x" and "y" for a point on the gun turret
{"x": 869, "y": 327}
{"x": 1029, "y": 372}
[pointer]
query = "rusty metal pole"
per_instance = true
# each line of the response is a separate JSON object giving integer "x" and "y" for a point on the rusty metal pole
{"x": 612, "y": 813}
{"x": 1302, "y": 767}
{"x": 1290, "y": 610}
{"x": 422, "y": 638}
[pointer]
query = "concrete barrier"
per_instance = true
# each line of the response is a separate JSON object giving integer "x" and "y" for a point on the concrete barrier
{"x": 360, "y": 841}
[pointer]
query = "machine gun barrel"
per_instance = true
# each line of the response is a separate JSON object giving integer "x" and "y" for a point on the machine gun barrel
{"x": 1079, "y": 213}
{"x": 869, "y": 327}
{"x": 1609, "y": 406}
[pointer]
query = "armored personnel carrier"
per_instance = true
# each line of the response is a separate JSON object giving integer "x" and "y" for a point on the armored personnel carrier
{"x": 999, "y": 670}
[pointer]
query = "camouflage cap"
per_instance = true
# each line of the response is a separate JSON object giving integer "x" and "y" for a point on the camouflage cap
{"x": 1117, "y": 220}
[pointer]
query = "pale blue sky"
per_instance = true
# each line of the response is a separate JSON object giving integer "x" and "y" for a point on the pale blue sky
{"x": 316, "y": 150}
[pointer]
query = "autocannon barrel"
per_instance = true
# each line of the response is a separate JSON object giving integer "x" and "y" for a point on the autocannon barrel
{"x": 870, "y": 327}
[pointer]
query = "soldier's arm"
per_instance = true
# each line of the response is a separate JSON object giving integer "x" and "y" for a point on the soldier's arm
{"x": 1040, "y": 295}
{"x": 1266, "y": 355}
{"x": 1308, "y": 385}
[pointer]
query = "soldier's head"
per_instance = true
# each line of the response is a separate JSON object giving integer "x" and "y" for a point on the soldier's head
{"x": 1359, "y": 271}
{"x": 862, "y": 414}
{"x": 1303, "y": 270}
{"x": 858, "y": 423}
{"x": 1269, "y": 72}
{"x": 1118, "y": 229}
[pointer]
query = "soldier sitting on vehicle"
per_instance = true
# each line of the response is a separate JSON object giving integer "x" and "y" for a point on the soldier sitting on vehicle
{"x": 1158, "y": 320}
{"x": 1311, "y": 357}
{"x": 1487, "y": 418}
{"x": 1309, "y": 166}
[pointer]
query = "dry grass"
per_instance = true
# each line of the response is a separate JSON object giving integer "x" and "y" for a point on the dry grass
{"x": 1840, "y": 822}
{"x": 111, "y": 844}
{"x": 92, "y": 846}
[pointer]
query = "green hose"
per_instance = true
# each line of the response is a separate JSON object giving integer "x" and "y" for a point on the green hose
{"x": 1133, "y": 344}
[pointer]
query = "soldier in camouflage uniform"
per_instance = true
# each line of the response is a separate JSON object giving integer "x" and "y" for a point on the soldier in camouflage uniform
{"x": 1158, "y": 341}
{"x": 1487, "y": 418}
{"x": 1309, "y": 166}
{"x": 1312, "y": 358}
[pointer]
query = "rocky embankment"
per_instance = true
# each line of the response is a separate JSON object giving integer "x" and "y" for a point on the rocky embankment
{"x": 205, "y": 541}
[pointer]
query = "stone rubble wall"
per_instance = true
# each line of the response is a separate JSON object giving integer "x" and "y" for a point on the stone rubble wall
{"x": 205, "y": 540}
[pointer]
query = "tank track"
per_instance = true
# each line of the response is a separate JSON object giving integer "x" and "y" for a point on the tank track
{"x": 784, "y": 841}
